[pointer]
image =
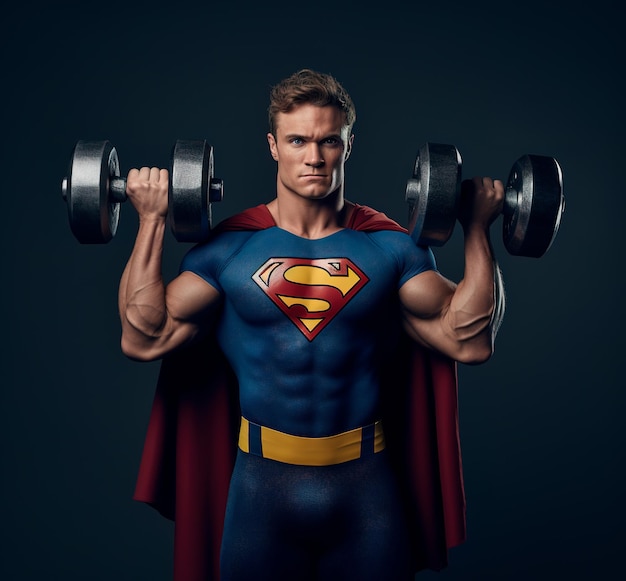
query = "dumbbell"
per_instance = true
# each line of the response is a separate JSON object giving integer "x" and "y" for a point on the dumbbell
{"x": 94, "y": 190}
{"x": 532, "y": 209}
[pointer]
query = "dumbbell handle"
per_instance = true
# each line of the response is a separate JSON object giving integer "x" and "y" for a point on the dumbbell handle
{"x": 117, "y": 189}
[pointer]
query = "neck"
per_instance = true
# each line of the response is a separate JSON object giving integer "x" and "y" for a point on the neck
{"x": 310, "y": 218}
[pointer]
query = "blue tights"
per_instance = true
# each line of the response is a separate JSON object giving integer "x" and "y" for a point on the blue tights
{"x": 310, "y": 523}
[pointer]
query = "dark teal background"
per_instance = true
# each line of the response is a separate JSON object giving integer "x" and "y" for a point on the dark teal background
{"x": 542, "y": 421}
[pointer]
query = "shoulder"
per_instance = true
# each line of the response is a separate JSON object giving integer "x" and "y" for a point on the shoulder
{"x": 366, "y": 219}
{"x": 218, "y": 248}
{"x": 228, "y": 237}
{"x": 400, "y": 249}
{"x": 398, "y": 242}
{"x": 392, "y": 239}
{"x": 252, "y": 219}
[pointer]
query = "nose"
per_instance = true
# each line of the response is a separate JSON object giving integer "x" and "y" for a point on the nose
{"x": 314, "y": 155}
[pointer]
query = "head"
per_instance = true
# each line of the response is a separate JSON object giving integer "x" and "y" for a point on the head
{"x": 311, "y": 118}
{"x": 307, "y": 86}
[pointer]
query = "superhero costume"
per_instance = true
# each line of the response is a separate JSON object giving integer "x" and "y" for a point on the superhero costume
{"x": 190, "y": 425}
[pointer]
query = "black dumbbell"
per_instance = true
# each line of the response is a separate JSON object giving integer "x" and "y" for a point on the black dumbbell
{"x": 532, "y": 209}
{"x": 94, "y": 190}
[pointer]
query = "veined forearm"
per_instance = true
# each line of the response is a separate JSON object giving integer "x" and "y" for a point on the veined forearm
{"x": 142, "y": 292}
{"x": 477, "y": 306}
{"x": 461, "y": 320}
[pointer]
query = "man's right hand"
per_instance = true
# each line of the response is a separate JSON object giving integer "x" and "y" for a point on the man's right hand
{"x": 147, "y": 190}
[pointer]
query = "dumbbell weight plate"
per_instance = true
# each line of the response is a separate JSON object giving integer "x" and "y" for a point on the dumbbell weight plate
{"x": 92, "y": 214}
{"x": 433, "y": 194}
{"x": 533, "y": 205}
{"x": 192, "y": 189}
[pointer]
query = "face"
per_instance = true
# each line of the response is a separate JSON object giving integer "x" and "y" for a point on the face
{"x": 311, "y": 146}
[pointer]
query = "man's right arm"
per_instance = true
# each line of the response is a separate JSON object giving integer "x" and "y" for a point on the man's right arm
{"x": 157, "y": 319}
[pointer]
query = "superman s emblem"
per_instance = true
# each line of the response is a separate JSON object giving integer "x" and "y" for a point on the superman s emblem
{"x": 310, "y": 291}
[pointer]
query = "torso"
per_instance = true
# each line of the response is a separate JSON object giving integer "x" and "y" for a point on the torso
{"x": 306, "y": 323}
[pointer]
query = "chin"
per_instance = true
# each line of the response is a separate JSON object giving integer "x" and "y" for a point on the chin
{"x": 314, "y": 195}
{"x": 321, "y": 192}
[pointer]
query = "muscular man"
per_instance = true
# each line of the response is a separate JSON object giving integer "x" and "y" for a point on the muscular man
{"x": 310, "y": 297}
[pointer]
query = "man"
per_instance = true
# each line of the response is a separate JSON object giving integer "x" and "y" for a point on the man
{"x": 308, "y": 296}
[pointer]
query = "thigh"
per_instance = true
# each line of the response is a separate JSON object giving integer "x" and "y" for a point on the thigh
{"x": 375, "y": 543}
{"x": 258, "y": 542}
{"x": 334, "y": 522}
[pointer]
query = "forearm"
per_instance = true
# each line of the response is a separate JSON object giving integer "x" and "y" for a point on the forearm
{"x": 477, "y": 305}
{"x": 462, "y": 320}
{"x": 142, "y": 304}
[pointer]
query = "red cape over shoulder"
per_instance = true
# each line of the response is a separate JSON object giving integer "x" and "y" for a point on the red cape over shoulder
{"x": 190, "y": 443}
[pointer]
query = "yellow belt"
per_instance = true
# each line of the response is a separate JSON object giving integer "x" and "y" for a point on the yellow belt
{"x": 275, "y": 445}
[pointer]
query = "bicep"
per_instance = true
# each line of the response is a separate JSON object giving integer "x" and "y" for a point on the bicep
{"x": 190, "y": 303}
{"x": 191, "y": 299}
{"x": 425, "y": 300}
{"x": 426, "y": 295}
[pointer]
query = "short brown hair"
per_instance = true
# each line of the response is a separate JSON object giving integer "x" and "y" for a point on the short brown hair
{"x": 308, "y": 86}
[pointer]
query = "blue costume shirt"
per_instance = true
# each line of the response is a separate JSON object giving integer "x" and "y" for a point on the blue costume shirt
{"x": 306, "y": 323}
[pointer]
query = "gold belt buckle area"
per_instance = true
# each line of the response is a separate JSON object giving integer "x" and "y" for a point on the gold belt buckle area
{"x": 304, "y": 451}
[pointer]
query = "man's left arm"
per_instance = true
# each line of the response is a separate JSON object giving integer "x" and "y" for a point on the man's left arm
{"x": 461, "y": 321}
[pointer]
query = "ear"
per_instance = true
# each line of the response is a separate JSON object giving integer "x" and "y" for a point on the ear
{"x": 272, "y": 143}
{"x": 348, "y": 148}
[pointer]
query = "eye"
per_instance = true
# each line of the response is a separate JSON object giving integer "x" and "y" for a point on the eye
{"x": 296, "y": 140}
{"x": 332, "y": 141}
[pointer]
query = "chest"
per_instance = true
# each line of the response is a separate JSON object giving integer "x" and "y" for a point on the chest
{"x": 277, "y": 278}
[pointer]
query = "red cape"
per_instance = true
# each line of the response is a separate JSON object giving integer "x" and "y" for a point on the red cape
{"x": 191, "y": 440}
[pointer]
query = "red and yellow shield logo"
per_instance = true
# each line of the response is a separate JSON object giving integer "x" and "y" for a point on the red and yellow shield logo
{"x": 310, "y": 292}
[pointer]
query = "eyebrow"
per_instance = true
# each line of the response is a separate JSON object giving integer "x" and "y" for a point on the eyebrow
{"x": 305, "y": 138}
